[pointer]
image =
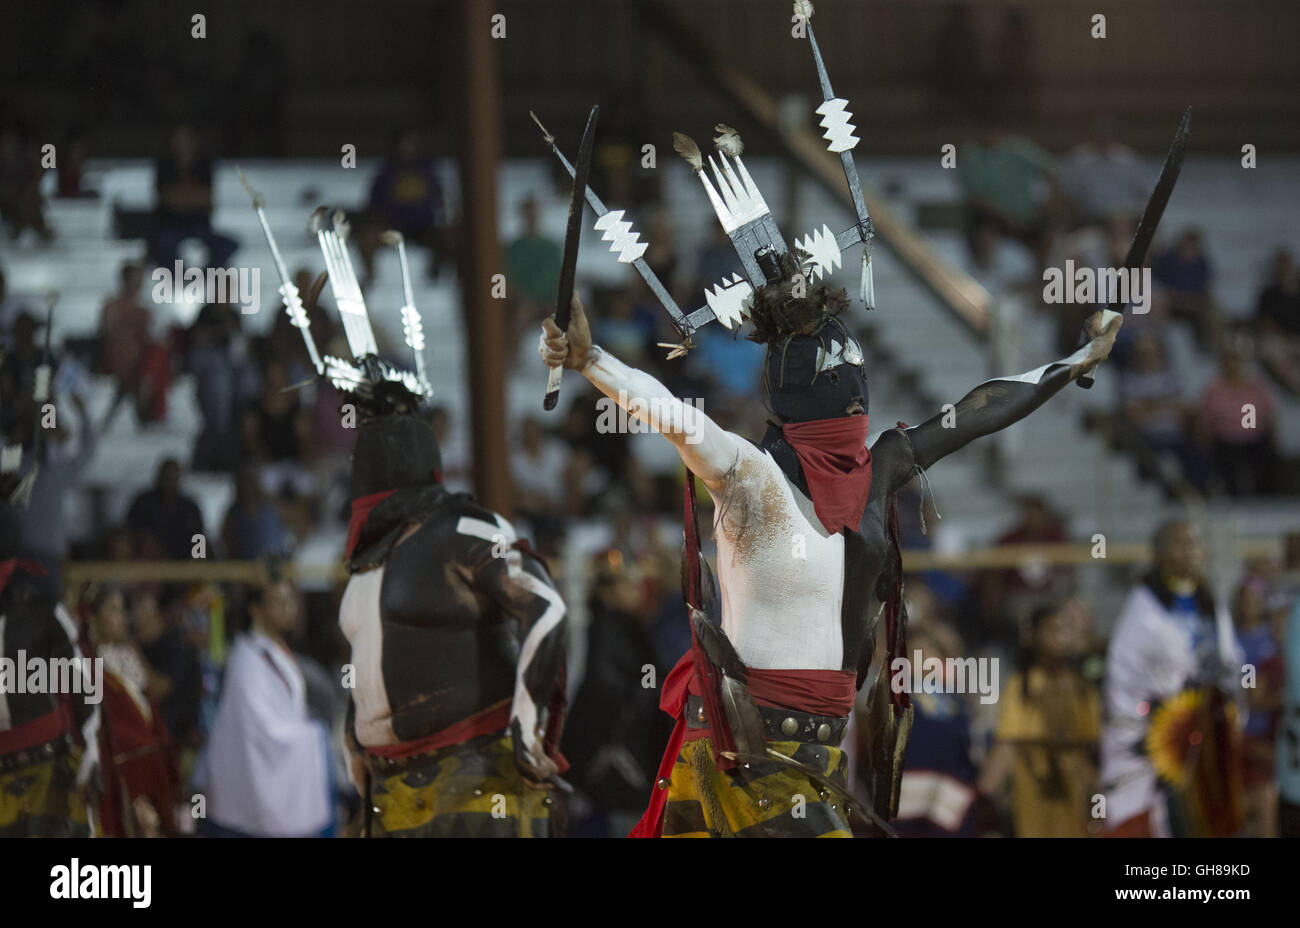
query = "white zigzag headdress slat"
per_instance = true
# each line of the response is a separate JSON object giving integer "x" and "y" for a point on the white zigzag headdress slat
{"x": 623, "y": 241}
{"x": 729, "y": 300}
{"x": 413, "y": 327}
{"x": 736, "y": 198}
{"x": 823, "y": 252}
{"x": 835, "y": 120}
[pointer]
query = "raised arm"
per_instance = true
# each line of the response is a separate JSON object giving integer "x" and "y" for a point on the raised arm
{"x": 707, "y": 449}
{"x": 998, "y": 403}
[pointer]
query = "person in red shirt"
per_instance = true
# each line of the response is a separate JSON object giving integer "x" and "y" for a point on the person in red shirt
{"x": 1238, "y": 421}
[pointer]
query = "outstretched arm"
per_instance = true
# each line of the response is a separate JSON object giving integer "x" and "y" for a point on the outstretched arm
{"x": 709, "y": 450}
{"x": 998, "y": 403}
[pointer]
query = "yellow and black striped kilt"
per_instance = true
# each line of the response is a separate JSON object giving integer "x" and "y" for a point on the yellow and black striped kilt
{"x": 38, "y": 796}
{"x": 763, "y": 801}
{"x": 469, "y": 790}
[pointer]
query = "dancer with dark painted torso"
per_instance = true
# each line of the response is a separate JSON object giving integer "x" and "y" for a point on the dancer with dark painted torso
{"x": 457, "y": 637}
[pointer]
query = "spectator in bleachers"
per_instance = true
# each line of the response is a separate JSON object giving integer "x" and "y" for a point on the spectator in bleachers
{"x": 252, "y": 528}
{"x": 1008, "y": 597}
{"x": 141, "y": 778}
{"x": 1238, "y": 420}
{"x": 1151, "y": 398}
{"x": 1185, "y": 275}
{"x": 616, "y": 169}
{"x": 127, "y": 351}
{"x": 45, "y": 530}
{"x": 18, "y": 373}
{"x": 716, "y": 261}
{"x": 183, "y": 182}
{"x": 457, "y": 470}
{"x": 405, "y": 196}
{"x": 537, "y": 464}
{"x": 11, "y": 307}
{"x": 1102, "y": 178}
{"x": 226, "y": 380}
{"x": 163, "y": 519}
{"x": 615, "y": 731}
{"x": 1277, "y": 322}
{"x": 176, "y": 673}
{"x": 532, "y": 269}
{"x": 1262, "y": 652}
{"x": 269, "y": 431}
{"x": 1049, "y": 723}
{"x": 1009, "y": 185}
{"x": 22, "y": 206}
{"x": 624, "y": 327}
{"x": 938, "y": 796}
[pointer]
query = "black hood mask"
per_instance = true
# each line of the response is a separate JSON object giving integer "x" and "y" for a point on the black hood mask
{"x": 810, "y": 377}
{"x": 814, "y": 368}
{"x": 396, "y": 448}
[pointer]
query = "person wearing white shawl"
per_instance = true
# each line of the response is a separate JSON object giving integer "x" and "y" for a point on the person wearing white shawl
{"x": 267, "y": 760}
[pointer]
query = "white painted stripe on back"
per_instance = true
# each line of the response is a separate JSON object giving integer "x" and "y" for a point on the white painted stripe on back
{"x": 524, "y": 709}
{"x": 488, "y": 531}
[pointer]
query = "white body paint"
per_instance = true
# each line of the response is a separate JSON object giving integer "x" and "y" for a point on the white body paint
{"x": 781, "y": 611}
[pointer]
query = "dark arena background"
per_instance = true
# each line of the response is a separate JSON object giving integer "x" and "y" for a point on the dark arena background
{"x": 1101, "y": 602}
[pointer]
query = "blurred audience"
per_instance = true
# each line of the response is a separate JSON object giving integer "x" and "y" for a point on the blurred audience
{"x": 183, "y": 182}
{"x": 1277, "y": 322}
{"x": 1103, "y": 177}
{"x": 164, "y": 520}
{"x": 1049, "y": 724}
{"x": 406, "y": 197}
{"x": 268, "y": 761}
{"x": 1238, "y": 419}
{"x": 1010, "y": 191}
{"x": 141, "y": 777}
{"x": 140, "y": 366}
{"x": 1183, "y": 272}
{"x": 1153, "y": 408}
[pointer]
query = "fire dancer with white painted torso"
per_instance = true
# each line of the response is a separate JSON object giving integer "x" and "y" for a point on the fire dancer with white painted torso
{"x": 801, "y": 533}
{"x": 805, "y": 522}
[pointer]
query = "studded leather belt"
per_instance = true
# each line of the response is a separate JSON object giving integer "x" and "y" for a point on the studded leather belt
{"x": 781, "y": 724}
{"x": 17, "y": 760}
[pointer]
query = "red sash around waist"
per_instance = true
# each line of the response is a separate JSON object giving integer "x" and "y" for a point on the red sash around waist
{"x": 819, "y": 692}
{"x": 484, "y": 722}
{"x": 36, "y": 732}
